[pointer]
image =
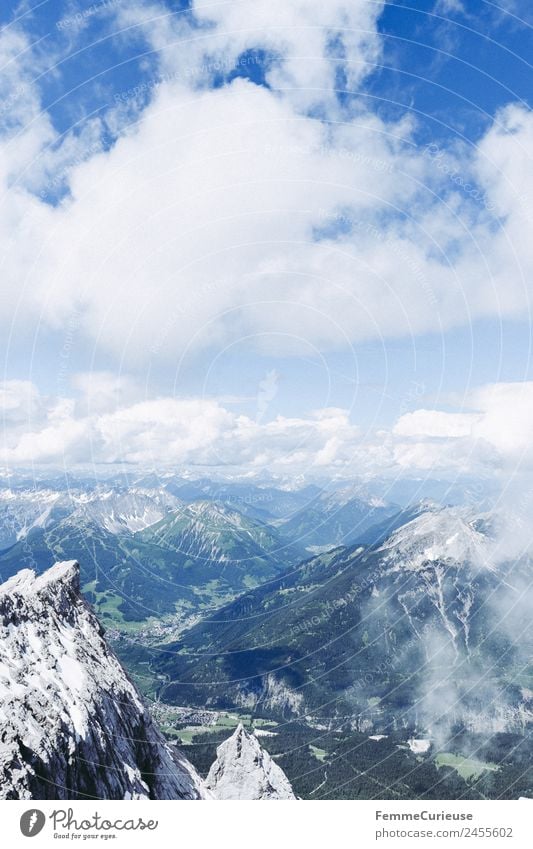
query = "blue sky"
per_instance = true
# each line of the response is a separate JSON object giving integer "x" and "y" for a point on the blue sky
{"x": 354, "y": 183}
{"x": 454, "y": 68}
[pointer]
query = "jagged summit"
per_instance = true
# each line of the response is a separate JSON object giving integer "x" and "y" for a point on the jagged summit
{"x": 120, "y": 512}
{"x": 27, "y": 584}
{"x": 73, "y": 724}
{"x": 244, "y": 770}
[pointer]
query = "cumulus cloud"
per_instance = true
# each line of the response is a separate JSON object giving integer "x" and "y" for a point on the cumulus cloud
{"x": 276, "y": 213}
{"x": 435, "y": 423}
{"x": 19, "y": 399}
{"x": 100, "y": 391}
{"x": 494, "y": 433}
{"x": 303, "y": 43}
{"x": 237, "y": 211}
{"x": 507, "y": 418}
{"x": 307, "y": 38}
{"x": 165, "y": 431}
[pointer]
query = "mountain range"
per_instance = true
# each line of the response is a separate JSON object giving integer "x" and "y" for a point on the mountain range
{"x": 146, "y": 554}
{"x": 328, "y": 627}
{"x": 414, "y": 631}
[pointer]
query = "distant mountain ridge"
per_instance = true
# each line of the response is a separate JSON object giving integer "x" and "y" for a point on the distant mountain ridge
{"x": 216, "y": 532}
{"x": 335, "y": 518}
{"x": 147, "y": 554}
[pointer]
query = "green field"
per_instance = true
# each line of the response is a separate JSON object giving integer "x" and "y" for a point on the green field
{"x": 467, "y": 768}
{"x": 320, "y": 754}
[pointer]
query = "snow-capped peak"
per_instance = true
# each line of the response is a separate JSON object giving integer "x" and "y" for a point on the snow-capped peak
{"x": 26, "y": 582}
{"x": 126, "y": 512}
{"x": 447, "y": 534}
{"x": 244, "y": 770}
{"x": 73, "y": 724}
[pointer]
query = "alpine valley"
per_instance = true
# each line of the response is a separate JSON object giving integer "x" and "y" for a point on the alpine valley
{"x": 261, "y": 640}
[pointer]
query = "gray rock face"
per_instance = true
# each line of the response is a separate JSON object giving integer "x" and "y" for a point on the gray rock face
{"x": 72, "y": 724}
{"x": 244, "y": 770}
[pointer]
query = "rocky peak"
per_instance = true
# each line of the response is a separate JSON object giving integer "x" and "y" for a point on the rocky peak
{"x": 74, "y": 725}
{"x": 244, "y": 770}
{"x": 28, "y": 596}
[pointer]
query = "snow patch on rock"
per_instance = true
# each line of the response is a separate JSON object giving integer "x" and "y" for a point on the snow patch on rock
{"x": 419, "y": 747}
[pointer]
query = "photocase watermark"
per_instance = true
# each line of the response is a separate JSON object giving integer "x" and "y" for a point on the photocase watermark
{"x": 32, "y": 822}
{"x": 65, "y": 820}
{"x": 440, "y": 160}
{"x": 65, "y": 824}
{"x": 268, "y": 389}
{"x": 79, "y": 18}
{"x": 72, "y": 327}
{"x": 332, "y": 606}
{"x": 208, "y": 68}
{"x": 249, "y": 499}
{"x": 382, "y": 166}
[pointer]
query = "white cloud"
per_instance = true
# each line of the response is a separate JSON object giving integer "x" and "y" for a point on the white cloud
{"x": 199, "y": 226}
{"x": 102, "y": 391}
{"x": 434, "y": 423}
{"x": 63, "y": 441}
{"x": 301, "y": 33}
{"x": 493, "y": 435}
{"x": 448, "y": 6}
{"x": 305, "y": 40}
{"x": 507, "y": 418}
{"x": 491, "y": 438}
{"x": 18, "y": 400}
{"x": 166, "y": 431}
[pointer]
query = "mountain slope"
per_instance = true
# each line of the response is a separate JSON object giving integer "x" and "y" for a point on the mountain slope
{"x": 25, "y": 509}
{"x": 334, "y": 518}
{"x": 424, "y": 630}
{"x": 73, "y": 724}
{"x": 200, "y": 556}
{"x": 377, "y": 534}
{"x": 216, "y": 534}
{"x": 125, "y": 581}
{"x": 115, "y": 509}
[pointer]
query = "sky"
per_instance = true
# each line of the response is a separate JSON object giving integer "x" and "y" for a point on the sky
{"x": 267, "y": 237}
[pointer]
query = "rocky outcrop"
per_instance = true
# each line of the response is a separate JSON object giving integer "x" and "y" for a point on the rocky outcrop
{"x": 73, "y": 724}
{"x": 244, "y": 770}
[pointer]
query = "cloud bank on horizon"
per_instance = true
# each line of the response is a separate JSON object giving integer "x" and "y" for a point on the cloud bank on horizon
{"x": 249, "y": 188}
{"x": 103, "y": 424}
